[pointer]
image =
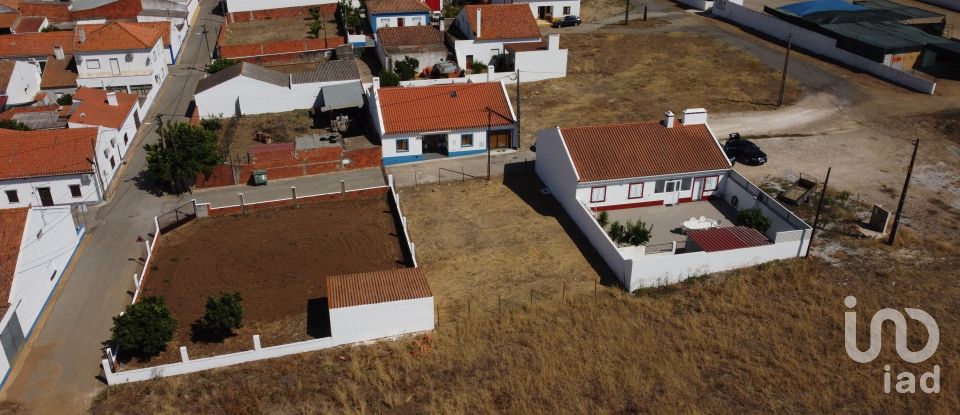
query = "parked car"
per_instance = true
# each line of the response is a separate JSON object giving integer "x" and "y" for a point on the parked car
{"x": 743, "y": 151}
{"x": 567, "y": 21}
{"x": 444, "y": 69}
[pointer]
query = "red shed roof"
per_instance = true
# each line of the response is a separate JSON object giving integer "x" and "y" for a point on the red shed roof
{"x": 502, "y": 21}
{"x": 376, "y": 287}
{"x": 12, "y": 223}
{"x": 35, "y": 44}
{"x": 29, "y": 24}
{"x": 723, "y": 239}
{"x": 46, "y": 152}
{"x": 443, "y": 107}
{"x": 117, "y": 36}
{"x": 625, "y": 151}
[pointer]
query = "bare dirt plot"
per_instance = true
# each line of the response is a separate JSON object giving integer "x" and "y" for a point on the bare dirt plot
{"x": 277, "y": 259}
{"x": 477, "y": 240}
{"x": 636, "y": 77}
{"x": 239, "y": 134}
{"x": 270, "y": 30}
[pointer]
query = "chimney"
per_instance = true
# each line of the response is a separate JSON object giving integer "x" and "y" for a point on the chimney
{"x": 553, "y": 42}
{"x": 58, "y": 52}
{"x": 112, "y": 99}
{"x": 376, "y": 83}
{"x": 694, "y": 116}
{"x": 478, "y": 21}
{"x": 81, "y": 34}
{"x": 490, "y": 70}
{"x": 443, "y": 24}
{"x": 668, "y": 119}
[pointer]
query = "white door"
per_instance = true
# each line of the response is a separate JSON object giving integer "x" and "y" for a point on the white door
{"x": 115, "y": 66}
{"x": 671, "y": 192}
{"x": 697, "y": 188}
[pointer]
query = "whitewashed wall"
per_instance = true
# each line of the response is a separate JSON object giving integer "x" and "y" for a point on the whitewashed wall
{"x": 557, "y": 5}
{"x": 618, "y": 191}
{"x": 389, "y": 143}
{"x": 234, "y": 6}
{"x": 817, "y": 43}
{"x": 376, "y": 321}
{"x": 702, "y": 5}
{"x": 257, "y": 97}
{"x": 59, "y": 189}
{"x": 24, "y": 83}
{"x": 391, "y": 20}
{"x": 137, "y": 72}
{"x": 111, "y": 143}
{"x": 482, "y": 51}
{"x": 553, "y": 164}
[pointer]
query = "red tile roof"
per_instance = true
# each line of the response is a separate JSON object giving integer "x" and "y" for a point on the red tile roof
{"x": 376, "y": 287}
{"x": 396, "y": 6}
{"x": 7, "y": 20}
{"x": 29, "y": 24}
{"x": 6, "y": 72}
{"x": 410, "y": 36}
{"x": 94, "y": 109}
{"x": 502, "y": 21}
{"x": 12, "y": 223}
{"x": 46, "y": 153}
{"x": 59, "y": 73}
{"x": 117, "y": 36}
{"x": 35, "y": 44}
{"x": 623, "y": 151}
{"x": 163, "y": 27}
{"x": 723, "y": 239}
{"x": 8, "y": 114}
{"x": 525, "y": 46}
{"x": 443, "y": 107}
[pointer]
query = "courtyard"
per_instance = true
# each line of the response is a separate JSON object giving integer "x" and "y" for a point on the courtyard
{"x": 665, "y": 222}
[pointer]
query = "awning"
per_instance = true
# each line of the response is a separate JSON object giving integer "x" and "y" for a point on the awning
{"x": 723, "y": 239}
{"x": 341, "y": 96}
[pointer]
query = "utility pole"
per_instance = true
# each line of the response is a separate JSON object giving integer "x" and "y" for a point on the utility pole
{"x": 816, "y": 217}
{"x": 518, "y": 108}
{"x": 783, "y": 78}
{"x": 644, "y": 12}
{"x": 903, "y": 195}
{"x": 626, "y": 13}
{"x": 206, "y": 38}
{"x": 489, "y": 146}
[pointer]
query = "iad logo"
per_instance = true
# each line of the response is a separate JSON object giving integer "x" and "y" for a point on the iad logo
{"x": 906, "y": 381}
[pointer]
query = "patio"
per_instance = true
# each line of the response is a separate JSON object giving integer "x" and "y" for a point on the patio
{"x": 666, "y": 220}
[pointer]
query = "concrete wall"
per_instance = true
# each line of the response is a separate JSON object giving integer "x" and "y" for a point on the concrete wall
{"x": 816, "y": 43}
{"x": 455, "y": 145}
{"x": 482, "y": 51}
{"x": 113, "y": 144}
{"x": 553, "y": 166}
{"x": 557, "y": 5}
{"x": 702, "y": 5}
{"x": 24, "y": 83}
{"x": 617, "y": 192}
{"x": 251, "y": 96}
{"x": 59, "y": 189}
{"x": 146, "y": 68}
{"x": 377, "y": 321}
{"x": 234, "y": 6}
{"x": 393, "y": 20}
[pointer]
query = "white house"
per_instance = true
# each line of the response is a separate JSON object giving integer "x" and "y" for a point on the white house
{"x": 19, "y": 83}
{"x": 480, "y": 32}
{"x": 121, "y": 56}
{"x": 235, "y": 6}
{"x": 49, "y": 167}
{"x": 423, "y": 43}
{"x": 673, "y": 176}
{"x": 245, "y": 88}
{"x": 396, "y": 13}
{"x": 449, "y": 120}
{"x": 380, "y": 304}
{"x": 173, "y": 35}
{"x": 117, "y": 116}
{"x": 37, "y": 245}
{"x": 547, "y": 10}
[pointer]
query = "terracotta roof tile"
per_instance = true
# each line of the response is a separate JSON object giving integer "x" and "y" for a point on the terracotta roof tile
{"x": 7, "y": 20}
{"x": 8, "y": 114}
{"x": 723, "y": 239}
{"x": 94, "y": 109}
{"x": 117, "y": 36}
{"x": 163, "y": 27}
{"x": 35, "y": 44}
{"x": 59, "y": 73}
{"x": 12, "y": 224}
{"x": 622, "y": 151}
{"x": 377, "y": 287}
{"x": 443, "y": 107}
{"x": 46, "y": 153}
{"x": 410, "y": 36}
{"x": 502, "y": 21}
{"x": 6, "y": 71}
{"x": 525, "y": 46}
{"x": 29, "y": 24}
{"x": 396, "y": 6}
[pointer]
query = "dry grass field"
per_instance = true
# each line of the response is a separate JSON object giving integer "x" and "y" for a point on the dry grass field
{"x": 269, "y": 30}
{"x": 636, "y": 77}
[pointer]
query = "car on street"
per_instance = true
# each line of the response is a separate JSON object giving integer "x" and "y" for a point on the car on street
{"x": 744, "y": 151}
{"x": 567, "y": 21}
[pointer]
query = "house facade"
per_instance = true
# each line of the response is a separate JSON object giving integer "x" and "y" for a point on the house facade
{"x": 480, "y": 32}
{"x": 52, "y": 167}
{"x": 396, "y": 13}
{"x": 38, "y": 244}
{"x": 450, "y": 120}
{"x": 19, "y": 83}
{"x": 122, "y": 57}
{"x": 116, "y": 116}
{"x": 547, "y": 10}
{"x": 423, "y": 43}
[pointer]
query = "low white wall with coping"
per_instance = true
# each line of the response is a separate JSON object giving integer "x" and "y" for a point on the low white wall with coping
{"x": 383, "y": 320}
{"x": 816, "y": 43}
{"x": 138, "y": 277}
{"x": 702, "y": 5}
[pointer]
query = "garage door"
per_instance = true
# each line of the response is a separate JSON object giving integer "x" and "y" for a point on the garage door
{"x": 500, "y": 139}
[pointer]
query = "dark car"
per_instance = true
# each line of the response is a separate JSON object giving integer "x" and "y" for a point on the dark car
{"x": 567, "y": 21}
{"x": 744, "y": 151}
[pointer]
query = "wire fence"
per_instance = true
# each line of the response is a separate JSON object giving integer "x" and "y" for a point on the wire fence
{"x": 177, "y": 216}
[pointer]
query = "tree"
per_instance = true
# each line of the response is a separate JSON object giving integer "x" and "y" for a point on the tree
{"x": 479, "y": 67}
{"x": 315, "y": 12}
{"x": 753, "y": 218}
{"x": 349, "y": 14}
{"x": 616, "y": 232}
{"x": 603, "y": 219}
{"x": 183, "y": 151}
{"x": 388, "y": 78}
{"x": 13, "y": 125}
{"x": 224, "y": 313}
{"x": 637, "y": 234}
{"x": 219, "y": 64}
{"x": 145, "y": 328}
{"x": 212, "y": 123}
{"x": 406, "y": 69}
{"x": 65, "y": 99}
{"x": 315, "y": 28}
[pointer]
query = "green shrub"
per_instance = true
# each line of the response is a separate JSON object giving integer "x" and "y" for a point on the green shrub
{"x": 603, "y": 219}
{"x": 753, "y": 218}
{"x": 224, "y": 313}
{"x": 145, "y": 328}
{"x": 315, "y": 28}
{"x": 13, "y": 125}
{"x": 211, "y": 124}
{"x": 406, "y": 69}
{"x": 219, "y": 64}
{"x": 616, "y": 232}
{"x": 388, "y": 78}
{"x": 315, "y": 12}
{"x": 637, "y": 234}
{"x": 65, "y": 99}
{"x": 478, "y": 67}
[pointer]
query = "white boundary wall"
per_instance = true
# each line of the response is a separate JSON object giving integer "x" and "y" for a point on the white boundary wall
{"x": 816, "y": 43}
{"x": 235, "y": 6}
{"x": 702, "y": 5}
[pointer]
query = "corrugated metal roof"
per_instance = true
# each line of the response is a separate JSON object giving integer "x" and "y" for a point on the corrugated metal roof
{"x": 339, "y": 70}
{"x": 376, "y": 287}
{"x": 340, "y": 96}
{"x": 723, "y": 239}
{"x": 246, "y": 69}
{"x": 623, "y": 151}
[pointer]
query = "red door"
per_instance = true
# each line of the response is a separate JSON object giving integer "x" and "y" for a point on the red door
{"x": 399, "y": 22}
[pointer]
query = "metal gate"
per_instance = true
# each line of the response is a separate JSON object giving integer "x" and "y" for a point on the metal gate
{"x": 177, "y": 217}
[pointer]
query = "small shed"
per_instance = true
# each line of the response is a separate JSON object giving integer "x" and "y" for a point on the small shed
{"x": 341, "y": 96}
{"x": 724, "y": 239}
{"x": 379, "y": 304}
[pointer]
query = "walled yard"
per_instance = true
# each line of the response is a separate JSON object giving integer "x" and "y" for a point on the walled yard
{"x": 608, "y": 82}
{"x": 239, "y": 134}
{"x": 277, "y": 259}
{"x": 272, "y": 30}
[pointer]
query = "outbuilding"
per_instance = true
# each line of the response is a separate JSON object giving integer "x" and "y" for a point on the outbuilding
{"x": 380, "y": 304}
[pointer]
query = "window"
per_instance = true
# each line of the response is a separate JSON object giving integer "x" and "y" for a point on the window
{"x": 75, "y": 190}
{"x": 113, "y": 142}
{"x": 466, "y": 140}
{"x": 598, "y": 194}
{"x": 710, "y": 183}
{"x": 658, "y": 186}
{"x": 685, "y": 183}
{"x": 403, "y": 145}
{"x": 12, "y": 196}
{"x": 93, "y": 64}
{"x": 113, "y": 163}
{"x": 566, "y": 10}
{"x": 635, "y": 191}
{"x": 126, "y": 139}
{"x": 106, "y": 153}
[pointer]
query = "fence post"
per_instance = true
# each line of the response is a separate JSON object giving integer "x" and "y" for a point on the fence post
{"x": 437, "y": 307}
{"x": 136, "y": 281}
{"x": 499, "y": 306}
{"x": 256, "y": 342}
{"x": 107, "y": 372}
{"x": 468, "y": 309}
{"x": 343, "y": 188}
{"x": 243, "y": 207}
{"x": 531, "y": 297}
{"x": 183, "y": 354}
{"x": 293, "y": 189}
{"x": 563, "y": 295}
